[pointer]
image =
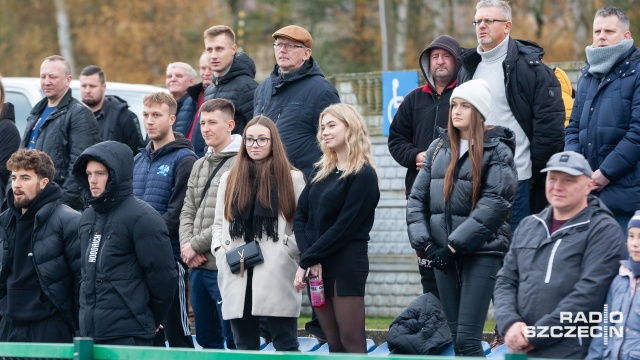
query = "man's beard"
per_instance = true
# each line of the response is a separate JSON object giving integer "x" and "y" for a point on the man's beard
{"x": 90, "y": 102}
{"x": 26, "y": 203}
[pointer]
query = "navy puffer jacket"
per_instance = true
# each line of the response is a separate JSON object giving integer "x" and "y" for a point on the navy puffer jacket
{"x": 605, "y": 128}
{"x": 421, "y": 329}
{"x": 482, "y": 229}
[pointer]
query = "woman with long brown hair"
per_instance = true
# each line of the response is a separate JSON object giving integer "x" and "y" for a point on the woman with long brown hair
{"x": 332, "y": 224}
{"x": 256, "y": 203}
{"x": 459, "y": 211}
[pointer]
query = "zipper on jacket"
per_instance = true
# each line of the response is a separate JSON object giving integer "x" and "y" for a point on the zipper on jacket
{"x": 547, "y": 277}
{"x": 435, "y": 123}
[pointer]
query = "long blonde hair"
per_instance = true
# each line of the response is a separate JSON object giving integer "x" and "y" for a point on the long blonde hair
{"x": 356, "y": 140}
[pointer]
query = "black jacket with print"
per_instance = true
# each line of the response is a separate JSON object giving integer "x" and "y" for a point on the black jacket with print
{"x": 129, "y": 275}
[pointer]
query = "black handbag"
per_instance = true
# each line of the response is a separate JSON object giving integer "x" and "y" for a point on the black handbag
{"x": 244, "y": 257}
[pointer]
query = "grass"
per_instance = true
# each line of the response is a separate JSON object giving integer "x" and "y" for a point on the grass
{"x": 383, "y": 323}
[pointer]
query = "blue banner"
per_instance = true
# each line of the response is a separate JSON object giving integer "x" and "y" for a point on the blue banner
{"x": 395, "y": 85}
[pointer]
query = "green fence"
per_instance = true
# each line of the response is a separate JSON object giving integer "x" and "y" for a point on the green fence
{"x": 84, "y": 349}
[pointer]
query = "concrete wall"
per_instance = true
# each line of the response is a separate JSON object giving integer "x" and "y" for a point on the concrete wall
{"x": 393, "y": 280}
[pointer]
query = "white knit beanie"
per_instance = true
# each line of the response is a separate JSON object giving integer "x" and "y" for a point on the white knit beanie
{"x": 477, "y": 93}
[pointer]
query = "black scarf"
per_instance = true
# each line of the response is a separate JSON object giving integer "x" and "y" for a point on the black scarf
{"x": 256, "y": 219}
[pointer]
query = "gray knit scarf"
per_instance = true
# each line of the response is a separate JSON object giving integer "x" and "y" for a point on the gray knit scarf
{"x": 602, "y": 59}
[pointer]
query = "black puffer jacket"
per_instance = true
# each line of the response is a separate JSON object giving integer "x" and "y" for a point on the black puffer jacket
{"x": 294, "y": 102}
{"x": 238, "y": 85}
{"x": 129, "y": 275}
{"x": 421, "y": 329}
{"x": 64, "y": 136}
{"x": 56, "y": 251}
{"x": 116, "y": 122}
{"x": 483, "y": 229}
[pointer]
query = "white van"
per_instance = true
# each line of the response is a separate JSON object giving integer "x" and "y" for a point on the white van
{"x": 25, "y": 92}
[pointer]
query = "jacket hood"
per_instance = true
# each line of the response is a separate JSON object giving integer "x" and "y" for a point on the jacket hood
{"x": 309, "y": 68}
{"x": 50, "y": 193}
{"x": 233, "y": 147}
{"x": 179, "y": 143}
{"x": 242, "y": 65}
{"x": 115, "y": 100}
{"x": 8, "y": 112}
{"x": 444, "y": 42}
{"x": 492, "y": 137}
{"x": 118, "y": 159}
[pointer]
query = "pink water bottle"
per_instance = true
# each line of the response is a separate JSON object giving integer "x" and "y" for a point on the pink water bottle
{"x": 317, "y": 292}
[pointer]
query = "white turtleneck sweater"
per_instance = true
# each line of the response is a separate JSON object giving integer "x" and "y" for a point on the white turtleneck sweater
{"x": 490, "y": 69}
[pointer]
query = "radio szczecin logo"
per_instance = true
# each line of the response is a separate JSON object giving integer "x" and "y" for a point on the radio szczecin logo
{"x": 582, "y": 325}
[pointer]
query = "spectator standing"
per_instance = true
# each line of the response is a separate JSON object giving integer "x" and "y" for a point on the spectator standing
{"x": 294, "y": 95}
{"x": 61, "y": 126}
{"x": 115, "y": 121}
{"x": 160, "y": 175}
{"x": 187, "y": 119}
{"x": 525, "y": 97}
{"x": 332, "y": 224}
{"x": 233, "y": 74}
{"x": 180, "y": 76}
{"x": 196, "y": 222}
{"x": 416, "y": 123}
{"x": 256, "y": 202}
{"x": 9, "y": 140}
{"x": 128, "y": 274}
{"x": 560, "y": 260}
{"x": 465, "y": 240}
{"x": 605, "y": 121}
{"x": 40, "y": 259}
{"x": 623, "y": 297}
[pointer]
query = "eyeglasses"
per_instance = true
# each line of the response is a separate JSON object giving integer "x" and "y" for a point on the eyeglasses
{"x": 289, "y": 47}
{"x": 249, "y": 142}
{"x": 489, "y": 22}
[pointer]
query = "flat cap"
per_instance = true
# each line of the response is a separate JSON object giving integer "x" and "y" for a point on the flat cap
{"x": 295, "y": 33}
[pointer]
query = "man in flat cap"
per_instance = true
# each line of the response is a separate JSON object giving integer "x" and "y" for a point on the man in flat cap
{"x": 559, "y": 266}
{"x": 294, "y": 95}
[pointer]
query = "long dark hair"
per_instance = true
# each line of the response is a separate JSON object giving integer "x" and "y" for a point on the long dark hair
{"x": 476, "y": 149}
{"x": 277, "y": 164}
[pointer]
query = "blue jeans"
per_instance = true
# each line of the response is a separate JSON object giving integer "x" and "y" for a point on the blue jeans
{"x": 522, "y": 206}
{"x": 211, "y": 330}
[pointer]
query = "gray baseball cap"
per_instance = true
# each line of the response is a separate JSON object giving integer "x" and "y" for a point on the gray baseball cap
{"x": 569, "y": 162}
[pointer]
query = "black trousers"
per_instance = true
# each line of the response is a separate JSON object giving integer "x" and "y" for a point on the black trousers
{"x": 428, "y": 280}
{"x": 465, "y": 293}
{"x": 51, "y": 330}
{"x": 246, "y": 330}
{"x": 126, "y": 341}
{"x": 177, "y": 330}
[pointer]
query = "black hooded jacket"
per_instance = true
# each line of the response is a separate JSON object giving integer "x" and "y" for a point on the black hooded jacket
{"x": 238, "y": 85}
{"x": 484, "y": 229}
{"x": 294, "y": 102}
{"x": 415, "y": 124}
{"x": 129, "y": 275}
{"x": 116, "y": 122}
{"x": 50, "y": 230}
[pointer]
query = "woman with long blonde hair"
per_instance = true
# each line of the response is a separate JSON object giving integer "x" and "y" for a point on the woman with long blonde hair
{"x": 256, "y": 202}
{"x": 332, "y": 223}
{"x": 459, "y": 211}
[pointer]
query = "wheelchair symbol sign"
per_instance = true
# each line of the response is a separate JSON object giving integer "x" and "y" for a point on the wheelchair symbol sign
{"x": 395, "y": 85}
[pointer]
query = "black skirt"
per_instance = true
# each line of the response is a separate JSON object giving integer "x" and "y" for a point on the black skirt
{"x": 345, "y": 273}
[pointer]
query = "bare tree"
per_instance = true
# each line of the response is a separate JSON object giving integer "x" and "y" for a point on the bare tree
{"x": 583, "y": 12}
{"x": 64, "y": 34}
{"x": 401, "y": 25}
